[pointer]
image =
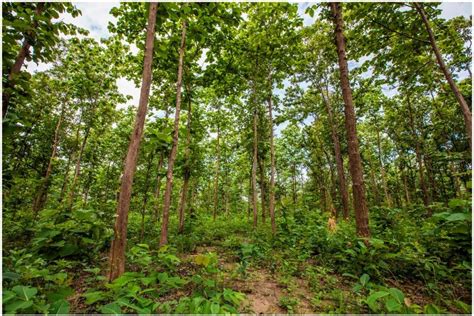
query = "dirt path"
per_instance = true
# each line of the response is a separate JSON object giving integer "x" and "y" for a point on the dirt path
{"x": 265, "y": 294}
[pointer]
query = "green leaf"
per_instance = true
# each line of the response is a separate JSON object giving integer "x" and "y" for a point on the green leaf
{"x": 7, "y": 275}
{"x": 364, "y": 279}
{"x": 112, "y": 308}
{"x": 19, "y": 305}
{"x": 432, "y": 309}
{"x": 60, "y": 294}
{"x": 215, "y": 307}
{"x": 25, "y": 292}
{"x": 92, "y": 297}
{"x": 392, "y": 305}
{"x": 372, "y": 299}
{"x": 397, "y": 294}
{"x": 7, "y": 295}
{"x": 60, "y": 307}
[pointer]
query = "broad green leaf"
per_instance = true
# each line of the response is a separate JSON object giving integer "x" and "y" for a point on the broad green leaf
{"x": 60, "y": 307}
{"x": 112, "y": 308}
{"x": 18, "y": 305}
{"x": 372, "y": 299}
{"x": 92, "y": 297}
{"x": 25, "y": 292}
{"x": 392, "y": 305}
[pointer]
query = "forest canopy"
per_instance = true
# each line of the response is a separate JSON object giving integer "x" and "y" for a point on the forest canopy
{"x": 273, "y": 158}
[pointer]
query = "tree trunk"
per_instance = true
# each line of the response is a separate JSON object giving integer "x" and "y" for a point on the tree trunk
{"x": 254, "y": 168}
{"x": 158, "y": 187}
{"x": 66, "y": 177}
{"x": 447, "y": 74}
{"x": 388, "y": 198}
{"x": 360, "y": 204}
{"x": 187, "y": 169}
{"x": 262, "y": 186}
{"x": 117, "y": 250}
{"x": 272, "y": 165}
{"x": 145, "y": 195}
{"x": 72, "y": 190}
{"x": 338, "y": 155}
{"x": 216, "y": 175}
{"x": 174, "y": 147}
{"x": 20, "y": 60}
{"x": 42, "y": 194}
{"x": 419, "y": 160}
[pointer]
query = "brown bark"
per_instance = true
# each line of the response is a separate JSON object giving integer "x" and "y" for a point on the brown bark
{"x": 419, "y": 160}
{"x": 72, "y": 190}
{"x": 42, "y": 194}
{"x": 187, "y": 170}
{"x": 174, "y": 147}
{"x": 20, "y": 60}
{"x": 216, "y": 175}
{"x": 339, "y": 161}
{"x": 262, "y": 187}
{"x": 158, "y": 187}
{"x": 447, "y": 74}
{"x": 145, "y": 195}
{"x": 388, "y": 198}
{"x": 272, "y": 166}
{"x": 358, "y": 188}
{"x": 117, "y": 250}
{"x": 254, "y": 168}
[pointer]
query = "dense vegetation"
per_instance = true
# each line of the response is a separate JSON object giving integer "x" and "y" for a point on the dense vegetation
{"x": 270, "y": 166}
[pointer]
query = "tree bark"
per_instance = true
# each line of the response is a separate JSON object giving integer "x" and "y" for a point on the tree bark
{"x": 158, "y": 187}
{"x": 72, "y": 190}
{"x": 388, "y": 198}
{"x": 117, "y": 250}
{"x": 447, "y": 74}
{"x": 20, "y": 60}
{"x": 42, "y": 194}
{"x": 262, "y": 187}
{"x": 360, "y": 204}
{"x": 254, "y": 168}
{"x": 272, "y": 165}
{"x": 419, "y": 160}
{"x": 338, "y": 155}
{"x": 187, "y": 169}
{"x": 145, "y": 195}
{"x": 174, "y": 147}
{"x": 217, "y": 172}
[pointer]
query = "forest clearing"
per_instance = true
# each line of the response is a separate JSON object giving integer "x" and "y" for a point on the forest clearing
{"x": 236, "y": 157}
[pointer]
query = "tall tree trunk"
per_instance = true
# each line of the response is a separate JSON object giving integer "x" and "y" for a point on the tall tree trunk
{"x": 29, "y": 37}
{"x": 360, "y": 204}
{"x": 158, "y": 187}
{"x": 117, "y": 250}
{"x": 174, "y": 147}
{"x": 272, "y": 164}
{"x": 338, "y": 155}
{"x": 72, "y": 190}
{"x": 293, "y": 177}
{"x": 42, "y": 193}
{"x": 66, "y": 177}
{"x": 419, "y": 160}
{"x": 187, "y": 169}
{"x": 447, "y": 74}
{"x": 254, "y": 168}
{"x": 145, "y": 195}
{"x": 217, "y": 172}
{"x": 262, "y": 186}
{"x": 388, "y": 198}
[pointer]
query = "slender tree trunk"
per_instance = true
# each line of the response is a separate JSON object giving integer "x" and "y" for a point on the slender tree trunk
{"x": 72, "y": 190}
{"x": 66, "y": 177}
{"x": 254, "y": 168}
{"x": 42, "y": 193}
{"x": 174, "y": 147}
{"x": 158, "y": 187}
{"x": 217, "y": 172}
{"x": 20, "y": 60}
{"x": 293, "y": 177}
{"x": 145, "y": 195}
{"x": 117, "y": 250}
{"x": 447, "y": 74}
{"x": 360, "y": 204}
{"x": 426, "y": 199}
{"x": 272, "y": 164}
{"x": 187, "y": 169}
{"x": 262, "y": 186}
{"x": 338, "y": 155}
{"x": 388, "y": 198}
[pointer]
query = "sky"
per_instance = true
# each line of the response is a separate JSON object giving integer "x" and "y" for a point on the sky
{"x": 95, "y": 18}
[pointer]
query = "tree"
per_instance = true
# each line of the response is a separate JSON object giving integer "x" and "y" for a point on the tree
{"x": 358, "y": 187}
{"x": 117, "y": 250}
